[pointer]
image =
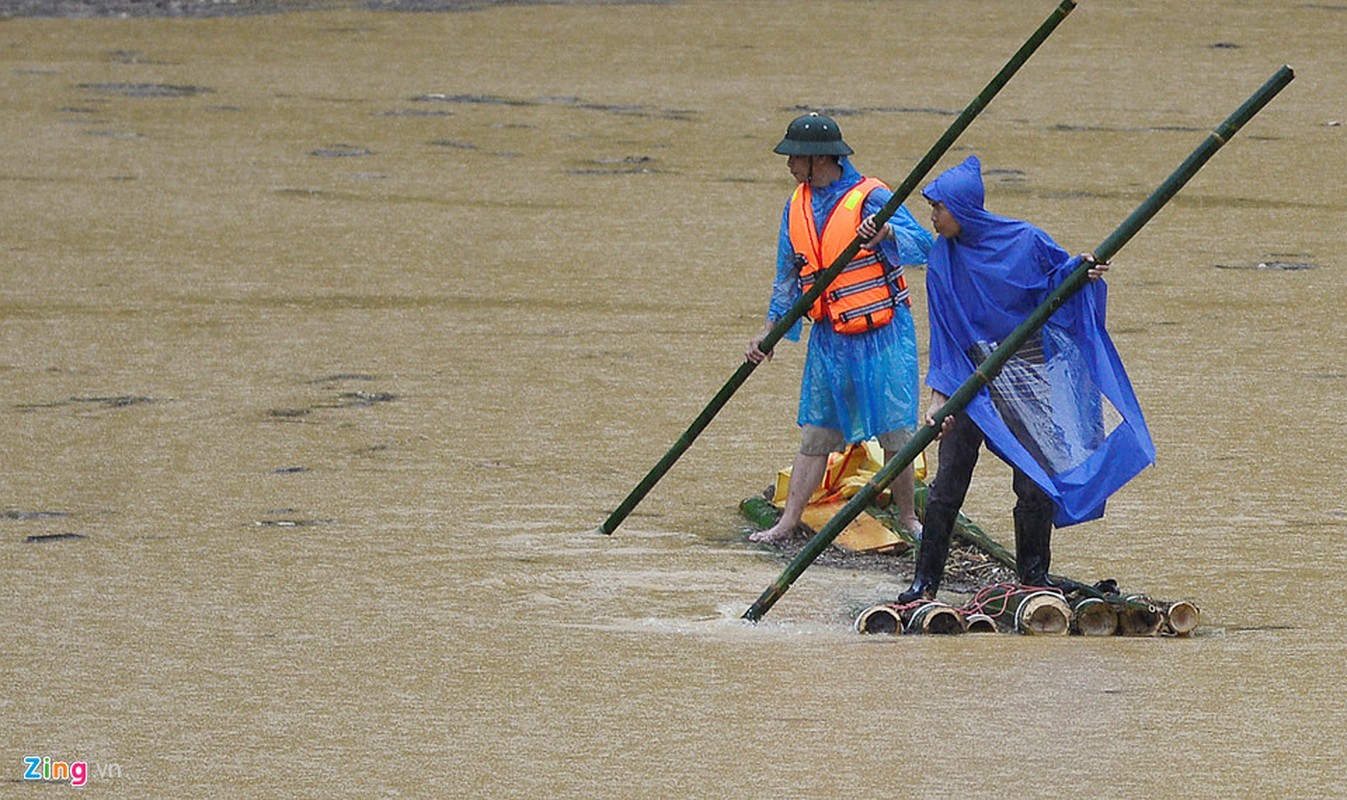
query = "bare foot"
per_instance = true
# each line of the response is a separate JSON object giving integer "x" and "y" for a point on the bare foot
{"x": 774, "y": 535}
{"x": 913, "y": 527}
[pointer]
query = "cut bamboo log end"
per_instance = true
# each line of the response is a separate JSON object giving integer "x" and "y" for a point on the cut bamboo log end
{"x": 1094, "y": 617}
{"x": 1043, "y": 614}
{"x": 880, "y": 619}
{"x": 1181, "y": 618}
{"x": 935, "y": 618}
{"x": 980, "y": 623}
{"x": 1139, "y": 617}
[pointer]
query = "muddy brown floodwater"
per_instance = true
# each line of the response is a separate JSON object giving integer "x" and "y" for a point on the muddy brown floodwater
{"x": 328, "y": 338}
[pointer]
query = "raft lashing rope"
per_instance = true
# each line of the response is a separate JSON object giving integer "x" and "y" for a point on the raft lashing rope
{"x": 1036, "y": 610}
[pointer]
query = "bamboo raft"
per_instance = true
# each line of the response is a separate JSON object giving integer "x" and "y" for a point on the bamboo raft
{"x": 1036, "y": 611}
{"x": 1067, "y": 607}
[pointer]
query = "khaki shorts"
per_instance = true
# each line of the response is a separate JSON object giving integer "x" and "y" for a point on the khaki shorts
{"x": 816, "y": 441}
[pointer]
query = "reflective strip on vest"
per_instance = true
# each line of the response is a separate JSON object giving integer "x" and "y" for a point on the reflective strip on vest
{"x": 865, "y": 311}
{"x": 863, "y": 261}
{"x": 856, "y": 288}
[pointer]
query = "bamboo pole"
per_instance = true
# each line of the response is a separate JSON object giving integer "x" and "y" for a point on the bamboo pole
{"x": 1181, "y": 617}
{"x": 882, "y": 618}
{"x": 900, "y": 195}
{"x": 1134, "y": 603}
{"x": 1135, "y": 621}
{"x": 1043, "y": 613}
{"x": 929, "y": 618}
{"x": 759, "y": 511}
{"x": 980, "y": 623}
{"x": 1094, "y": 617}
{"x": 988, "y": 369}
{"x": 934, "y": 618}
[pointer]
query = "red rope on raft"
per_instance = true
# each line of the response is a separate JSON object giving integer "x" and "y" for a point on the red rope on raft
{"x": 985, "y": 597}
{"x": 988, "y": 595}
{"x": 999, "y": 592}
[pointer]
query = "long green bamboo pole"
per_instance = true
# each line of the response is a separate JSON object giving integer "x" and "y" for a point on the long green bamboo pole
{"x": 988, "y": 369}
{"x": 802, "y": 305}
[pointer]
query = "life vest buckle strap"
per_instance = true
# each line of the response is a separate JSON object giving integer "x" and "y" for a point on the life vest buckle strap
{"x": 857, "y": 288}
{"x": 863, "y": 262}
{"x": 867, "y": 310}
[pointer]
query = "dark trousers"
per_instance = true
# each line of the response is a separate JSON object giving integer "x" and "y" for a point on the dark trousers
{"x": 1034, "y": 508}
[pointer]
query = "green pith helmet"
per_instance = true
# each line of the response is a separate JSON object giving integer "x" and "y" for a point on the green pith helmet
{"x": 813, "y": 135}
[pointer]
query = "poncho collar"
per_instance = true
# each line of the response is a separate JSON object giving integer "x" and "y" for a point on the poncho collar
{"x": 850, "y": 177}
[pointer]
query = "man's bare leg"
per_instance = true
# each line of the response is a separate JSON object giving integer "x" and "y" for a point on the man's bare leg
{"x": 805, "y": 478}
{"x": 903, "y": 490}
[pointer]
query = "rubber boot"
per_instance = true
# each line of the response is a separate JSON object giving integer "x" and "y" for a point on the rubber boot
{"x": 1033, "y": 547}
{"x": 931, "y": 555}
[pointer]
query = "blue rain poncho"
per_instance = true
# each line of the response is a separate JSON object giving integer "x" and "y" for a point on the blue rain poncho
{"x": 861, "y": 384}
{"x": 1062, "y": 409}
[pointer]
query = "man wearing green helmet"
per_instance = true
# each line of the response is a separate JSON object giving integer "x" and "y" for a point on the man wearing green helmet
{"x": 860, "y": 375}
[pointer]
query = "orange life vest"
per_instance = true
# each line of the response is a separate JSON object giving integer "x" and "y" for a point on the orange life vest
{"x": 863, "y": 295}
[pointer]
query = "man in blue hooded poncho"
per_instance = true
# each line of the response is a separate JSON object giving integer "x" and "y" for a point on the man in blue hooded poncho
{"x": 1061, "y": 412}
{"x": 860, "y": 374}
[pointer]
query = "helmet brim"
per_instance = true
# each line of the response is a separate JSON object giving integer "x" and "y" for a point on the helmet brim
{"x": 795, "y": 147}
